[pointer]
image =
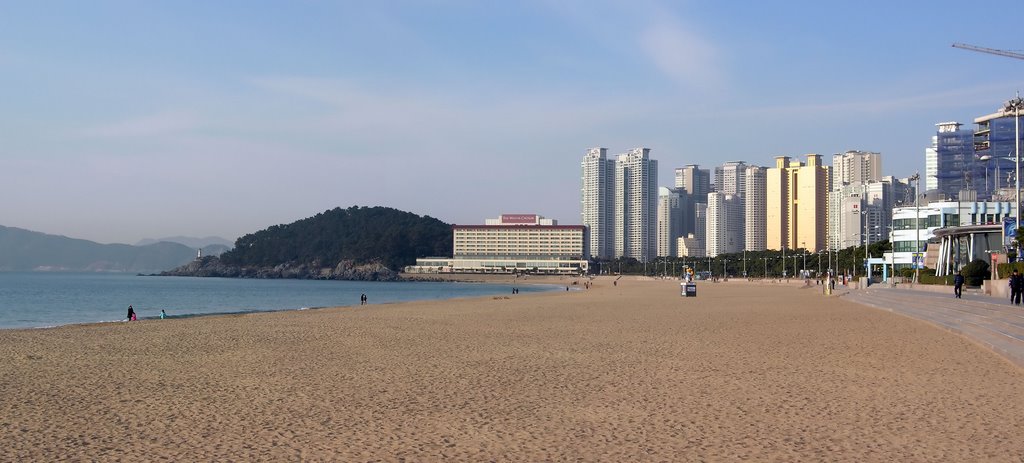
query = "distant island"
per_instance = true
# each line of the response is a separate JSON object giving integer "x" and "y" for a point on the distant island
{"x": 358, "y": 243}
{"x": 31, "y": 251}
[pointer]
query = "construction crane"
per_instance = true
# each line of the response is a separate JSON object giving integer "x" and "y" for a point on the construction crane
{"x": 991, "y": 51}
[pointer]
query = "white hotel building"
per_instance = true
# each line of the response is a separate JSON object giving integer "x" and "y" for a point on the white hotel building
{"x": 512, "y": 243}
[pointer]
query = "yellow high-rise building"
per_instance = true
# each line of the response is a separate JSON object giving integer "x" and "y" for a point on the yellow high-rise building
{"x": 797, "y": 204}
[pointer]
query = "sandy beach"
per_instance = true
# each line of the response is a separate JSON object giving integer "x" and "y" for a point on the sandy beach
{"x": 631, "y": 372}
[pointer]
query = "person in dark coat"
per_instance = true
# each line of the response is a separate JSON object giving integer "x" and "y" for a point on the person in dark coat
{"x": 131, "y": 313}
{"x": 958, "y": 285}
{"x": 1016, "y": 286}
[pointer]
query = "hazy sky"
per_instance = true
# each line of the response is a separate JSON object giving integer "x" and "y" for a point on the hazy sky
{"x": 127, "y": 120}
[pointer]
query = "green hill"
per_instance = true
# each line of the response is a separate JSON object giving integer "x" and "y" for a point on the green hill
{"x": 358, "y": 243}
{"x": 360, "y": 234}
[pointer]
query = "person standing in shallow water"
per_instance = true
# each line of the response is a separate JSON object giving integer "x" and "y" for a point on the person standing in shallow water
{"x": 131, "y": 313}
{"x": 362, "y": 299}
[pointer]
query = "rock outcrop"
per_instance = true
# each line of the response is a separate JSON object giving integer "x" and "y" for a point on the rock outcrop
{"x": 211, "y": 266}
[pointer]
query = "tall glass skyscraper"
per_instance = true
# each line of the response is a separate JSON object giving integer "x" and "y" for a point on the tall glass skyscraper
{"x": 995, "y": 150}
{"x": 980, "y": 160}
{"x": 950, "y": 162}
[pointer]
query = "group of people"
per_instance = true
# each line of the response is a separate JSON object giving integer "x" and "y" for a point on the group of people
{"x": 132, "y": 317}
{"x": 362, "y": 299}
{"x": 1016, "y": 286}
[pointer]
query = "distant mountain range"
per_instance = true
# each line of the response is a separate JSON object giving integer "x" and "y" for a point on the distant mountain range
{"x": 26, "y": 250}
{"x": 190, "y": 241}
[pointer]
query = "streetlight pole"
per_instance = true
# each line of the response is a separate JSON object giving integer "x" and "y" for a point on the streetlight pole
{"x": 917, "y": 224}
{"x": 828, "y": 251}
{"x": 867, "y": 271}
{"x": 1015, "y": 105}
{"x": 804, "y": 269}
{"x": 783, "y": 260}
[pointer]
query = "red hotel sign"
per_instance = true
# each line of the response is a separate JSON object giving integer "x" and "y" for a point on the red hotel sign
{"x": 512, "y": 219}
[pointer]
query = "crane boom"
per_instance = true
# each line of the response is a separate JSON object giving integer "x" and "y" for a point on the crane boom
{"x": 992, "y": 51}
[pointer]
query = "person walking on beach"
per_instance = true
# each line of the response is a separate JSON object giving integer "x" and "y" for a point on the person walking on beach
{"x": 1016, "y": 286}
{"x": 131, "y": 313}
{"x": 163, "y": 314}
{"x": 958, "y": 285}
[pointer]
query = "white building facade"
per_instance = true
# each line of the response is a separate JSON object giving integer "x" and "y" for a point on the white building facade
{"x": 636, "y": 205}
{"x": 700, "y": 219}
{"x": 914, "y": 227}
{"x": 731, "y": 178}
{"x": 519, "y": 243}
{"x": 854, "y": 167}
{"x": 670, "y": 201}
{"x": 619, "y": 204}
{"x": 755, "y": 209}
{"x": 724, "y": 224}
{"x": 597, "y": 201}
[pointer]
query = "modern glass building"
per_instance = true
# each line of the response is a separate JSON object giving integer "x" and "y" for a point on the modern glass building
{"x": 995, "y": 150}
{"x": 950, "y": 163}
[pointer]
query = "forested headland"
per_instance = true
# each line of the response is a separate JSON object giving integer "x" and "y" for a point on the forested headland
{"x": 357, "y": 243}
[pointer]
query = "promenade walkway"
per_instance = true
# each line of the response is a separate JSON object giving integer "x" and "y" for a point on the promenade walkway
{"x": 991, "y": 322}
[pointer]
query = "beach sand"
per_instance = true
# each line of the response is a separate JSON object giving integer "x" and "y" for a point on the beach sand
{"x": 632, "y": 372}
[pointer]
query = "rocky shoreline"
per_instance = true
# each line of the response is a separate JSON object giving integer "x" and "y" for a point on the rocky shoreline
{"x": 211, "y": 266}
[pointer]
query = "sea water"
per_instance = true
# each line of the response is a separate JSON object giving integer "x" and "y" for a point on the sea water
{"x": 44, "y": 299}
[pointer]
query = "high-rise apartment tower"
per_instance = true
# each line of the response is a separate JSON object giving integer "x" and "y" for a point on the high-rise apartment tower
{"x": 598, "y": 203}
{"x": 636, "y": 205}
{"x": 797, "y": 204}
{"x": 755, "y": 209}
{"x": 619, "y": 201}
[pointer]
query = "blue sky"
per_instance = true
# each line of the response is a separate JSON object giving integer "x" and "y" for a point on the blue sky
{"x": 126, "y": 120}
